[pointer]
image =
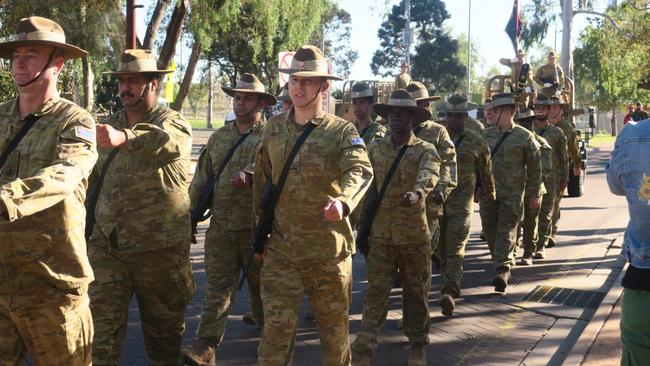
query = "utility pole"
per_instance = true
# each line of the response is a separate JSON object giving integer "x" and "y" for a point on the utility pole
{"x": 210, "y": 93}
{"x": 130, "y": 24}
{"x": 469, "y": 50}
{"x": 407, "y": 32}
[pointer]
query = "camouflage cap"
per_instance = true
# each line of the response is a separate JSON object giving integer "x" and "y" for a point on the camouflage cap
{"x": 502, "y": 99}
{"x": 361, "y": 90}
{"x": 284, "y": 94}
{"x": 419, "y": 92}
{"x": 400, "y": 98}
{"x": 309, "y": 61}
{"x": 456, "y": 103}
{"x": 250, "y": 84}
{"x": 139, "y": 62}
{"x": 37, "y": 31}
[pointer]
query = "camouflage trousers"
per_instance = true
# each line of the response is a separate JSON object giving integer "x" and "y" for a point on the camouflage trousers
{"x": 434, "y": 211}
{"x": 327, "y": 284}
{"x": 527, "y": 230}
{"x": 162, "y": 283}
{"x": 545, "y": 224}
{"x": 52, "y": 325}
{"x": 414, "y": 264}
{"x": 226, "y": 254}
{"x": 454, "y": 233}
{"x": 500, "y": 219}
{"x": 556, "y": 213}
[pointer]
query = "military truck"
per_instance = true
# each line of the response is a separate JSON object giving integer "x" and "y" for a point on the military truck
{"x": 343, "y": 97}
{"x": 575, "y": 185}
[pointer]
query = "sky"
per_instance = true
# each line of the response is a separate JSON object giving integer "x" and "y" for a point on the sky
{"x": 488, "y": 20}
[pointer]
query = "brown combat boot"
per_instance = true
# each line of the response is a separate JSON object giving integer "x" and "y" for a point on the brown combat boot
{"x": 418, "y": 355}
{"x": 202, "y": 353}
{"x": 448, "y": 304}
{"x": 501, "y": 280}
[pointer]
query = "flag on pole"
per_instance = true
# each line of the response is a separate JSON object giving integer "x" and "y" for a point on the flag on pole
{"x": 514, "y": 27}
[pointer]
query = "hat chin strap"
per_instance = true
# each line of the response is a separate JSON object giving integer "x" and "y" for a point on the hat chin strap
{"x": 252, "y": 109}
{"x": 38, "y": 76}
{"x": 315, "y": 95}
{"x": 142, "y": 95}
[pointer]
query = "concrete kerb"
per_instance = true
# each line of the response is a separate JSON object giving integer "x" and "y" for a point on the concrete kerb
{"x": 585, "y": 341}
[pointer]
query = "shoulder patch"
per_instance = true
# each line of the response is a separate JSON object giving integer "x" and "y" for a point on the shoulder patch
{"x": 357, "y": 141}
{"x": 85, "y": 134}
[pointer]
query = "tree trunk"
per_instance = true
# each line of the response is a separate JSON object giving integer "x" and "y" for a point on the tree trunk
{"x": 567, "y": 43}
{"x": 210, "y": 95}
{"x": 174, "y": 31}
{"x": 187, "y": 78}
{"x": 88, "y": 82}
{"x": 154, "y": 24}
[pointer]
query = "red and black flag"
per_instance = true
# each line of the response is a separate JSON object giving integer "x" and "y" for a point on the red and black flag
{"x": 515, "y": 26}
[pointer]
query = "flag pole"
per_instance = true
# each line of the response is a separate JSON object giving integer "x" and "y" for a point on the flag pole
{"x": 517, "y": 25}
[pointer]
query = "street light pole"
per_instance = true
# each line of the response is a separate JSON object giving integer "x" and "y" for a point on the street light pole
{"x": 407, "y": 32}
{"x": 469, "y": 50}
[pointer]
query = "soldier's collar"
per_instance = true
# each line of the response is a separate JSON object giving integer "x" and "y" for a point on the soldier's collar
{"x": 44, "y": 109}
{"x": 256, "y": 125}
{"x": 410, "y": 142}
{"x": 317, "y": 120}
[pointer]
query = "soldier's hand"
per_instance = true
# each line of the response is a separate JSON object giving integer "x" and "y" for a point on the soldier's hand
{"x": 409, "y": 199}
{"x": 533, "y": 203}
{"x": 240, "y": 180}
{"x": 108, "y": 137}
{"x": 548, "y": 85}
{"x": 577, "y": 170}
{"x": 333, "y": 210}
{"x": 563, "y": 185}
{"x": 437, "y": 198}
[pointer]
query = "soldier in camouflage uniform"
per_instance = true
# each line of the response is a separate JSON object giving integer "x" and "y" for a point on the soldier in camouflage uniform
{"x": 141, "y": 241}
{"x": 44, "y": 270}
{"x": 399, "y": 238}
{"x": 228, "y": 239}
{"x": 517, "y": 173}
{"x": 556, "y": 183}
{"x": 558, "y": 117}
{"x": 436, "y": 134}
{"x": 527, "y": 231}
{"x": 523, "y": 91}
{"x": 284, "y": 98}
{"x": 403, "y": 80}
{"x": 310, "y": 247}
{"x": 472, "y": 160}
{"x": 550, "y": 76}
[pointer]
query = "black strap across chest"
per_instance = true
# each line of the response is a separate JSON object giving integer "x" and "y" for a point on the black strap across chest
{"x": 29, "y": 123}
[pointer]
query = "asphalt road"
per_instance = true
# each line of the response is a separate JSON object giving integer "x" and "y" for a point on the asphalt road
{"x": 536, "y": 322}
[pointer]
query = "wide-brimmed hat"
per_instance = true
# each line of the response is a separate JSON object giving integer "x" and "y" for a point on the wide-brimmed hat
{"x": 419, "y": 92}
{"x": 139, "y": 62}
{"x": 456, "y": 103}
{"x": 37, "y": 31}
{"x": 400, "y": 98}
{"x": 543, "y": 99}
{"x": 526, "y": 113}
{"x": 284, "y": 94}
{"x": 487, "y": 103}
{"x": 309, "y": 61}
{"x": 249, "y": 83}
{"x": 521, "y": 52}
{"x": 361, "y": 90}
{"x": 502, "y": 99}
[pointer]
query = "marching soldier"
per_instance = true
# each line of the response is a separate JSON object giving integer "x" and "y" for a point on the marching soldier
{"x": 403, "y": 79}
{"x": 490, "y": 117}
{"x": 473, "y": 160}
{"x": 310, "y": 246}
{"x": 44, "y": 270}
{"x": 527, "y": 231}
{"x": 362, "y": 101}
{"x": 436, "y": 134}
{"x": 517, "y": 173}
{"x": 230, "y": 154}
{"x": 550, "y": 76}
{"x": 520, "y": 78}
{"x": 470, "y": 123}
{"x": 141, "y": 240}
{"x": 557, "y": 181}
{"x": 400, "y": 237}
{"x": 284, "y": 98}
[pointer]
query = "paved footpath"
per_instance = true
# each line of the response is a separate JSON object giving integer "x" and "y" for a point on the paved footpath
{"x": 537, "y": 322}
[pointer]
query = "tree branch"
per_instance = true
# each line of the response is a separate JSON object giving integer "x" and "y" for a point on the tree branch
{"x": 603, "y": 15}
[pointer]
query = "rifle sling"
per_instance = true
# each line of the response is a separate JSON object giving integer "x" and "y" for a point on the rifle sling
{"x": 31, "y": 120}
{"x": 496, "y": 148}
{"x": 93, "y": 193}
{"x": 287, "y": 164}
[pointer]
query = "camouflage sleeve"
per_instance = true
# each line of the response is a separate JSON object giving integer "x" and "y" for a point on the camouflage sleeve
{"x": 74, "y": 159}
{"x": 355, "y": 168}
{"x": 485, "y": 172}
{"x": 202, "y": 175}
{"x": 448, "y": 171}
{"x": 538, "y": 76}
{"x": 547, "y": 160}
{"x": 250, "y": 167}
{"x": 164, "y": 145}
{"x": 505, "y": 62}
{"x": 533, "y": 169}
{"x": 262, "y": 171}
{"x": 561, "y": 151}
{"x": 428, "y": 173}
{"x": 572, "y": 146}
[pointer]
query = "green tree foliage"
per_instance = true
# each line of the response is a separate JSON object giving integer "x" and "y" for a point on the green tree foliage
{"x": 335, "y": 27}
{"x": 475, "y": 83}
{"x": 435, "y": 60}
{"x": 6, "y": 82}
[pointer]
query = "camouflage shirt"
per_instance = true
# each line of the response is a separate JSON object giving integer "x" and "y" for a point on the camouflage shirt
{"x": 556, "y": 139}
{"x": 546, "y": 161}
{"x": 517, "y": 162}
{"x": 373, "y": 131}
{"x": 549, "y": 74}
{"x": 474, "y": 126}
{"x": 571, "y": 135}
{"x": 332, "y": 162}
{"x": 402, "y": 81}
{"x": 473, "y": 157}
{"x": 418, "y": 171}
{"x": 436, "y": 134}
{"x": 231, "y": 207}
{"x": 43, "y": 186}
{"x": 144, "y": 201}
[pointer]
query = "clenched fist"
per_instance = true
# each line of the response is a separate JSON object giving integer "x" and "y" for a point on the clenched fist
{"x": 108, "y": 137}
